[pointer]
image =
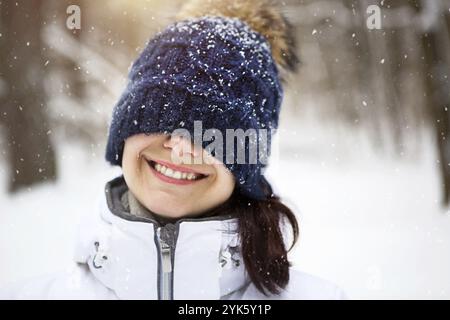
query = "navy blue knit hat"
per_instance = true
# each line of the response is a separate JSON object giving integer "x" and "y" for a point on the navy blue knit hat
{"x": 213, "y": 69}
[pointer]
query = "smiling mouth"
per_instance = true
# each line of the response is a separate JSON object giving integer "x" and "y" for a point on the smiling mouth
{"x": 176, "y": 174}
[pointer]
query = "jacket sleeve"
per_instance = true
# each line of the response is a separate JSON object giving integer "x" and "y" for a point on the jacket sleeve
{"x": 301, "y": 286}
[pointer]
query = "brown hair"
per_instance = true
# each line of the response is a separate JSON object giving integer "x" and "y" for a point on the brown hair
{"x": 262, "y": 245}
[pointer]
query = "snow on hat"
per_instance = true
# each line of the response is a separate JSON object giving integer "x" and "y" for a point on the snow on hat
{"x": 222, "y": 64}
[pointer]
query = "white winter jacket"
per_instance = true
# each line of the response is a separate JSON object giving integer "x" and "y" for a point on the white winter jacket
{"x": 120, "y": 256}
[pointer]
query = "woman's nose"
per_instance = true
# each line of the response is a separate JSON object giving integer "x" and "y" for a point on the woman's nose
{"x": 181, "y": 146}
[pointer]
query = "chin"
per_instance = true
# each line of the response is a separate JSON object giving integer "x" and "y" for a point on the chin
{"x": 168, "y": 208}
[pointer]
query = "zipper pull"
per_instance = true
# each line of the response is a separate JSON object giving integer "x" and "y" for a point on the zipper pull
{"x": 166, "y": 237}
{"x": 166, "y": 253}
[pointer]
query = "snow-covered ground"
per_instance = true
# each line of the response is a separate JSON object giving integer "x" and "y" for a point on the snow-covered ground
{"x": 372, "y": 224}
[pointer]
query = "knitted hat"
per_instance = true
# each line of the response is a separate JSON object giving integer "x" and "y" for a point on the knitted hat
{"x": 216, "y": 66}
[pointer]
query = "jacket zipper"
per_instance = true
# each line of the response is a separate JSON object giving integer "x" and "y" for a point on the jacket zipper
{"x": 165, "y": 238}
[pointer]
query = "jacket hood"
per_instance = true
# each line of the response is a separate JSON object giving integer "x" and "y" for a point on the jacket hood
{"x": 138, "y": 258}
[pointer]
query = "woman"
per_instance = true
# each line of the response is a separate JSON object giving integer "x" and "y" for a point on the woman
{"x": 190, "y": 219}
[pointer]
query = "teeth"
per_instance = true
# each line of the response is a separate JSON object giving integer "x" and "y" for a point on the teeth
{"x": 169, "y": 172}
{"x": 175, "y": 174}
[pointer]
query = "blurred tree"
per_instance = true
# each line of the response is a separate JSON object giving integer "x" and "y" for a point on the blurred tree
{"x": 392, "y": 82}
{"x": 436, "y": 45}
{"x": 23, "y": 105}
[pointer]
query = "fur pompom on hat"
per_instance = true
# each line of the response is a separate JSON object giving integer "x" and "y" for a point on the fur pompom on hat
{"x": 221, "y": 64}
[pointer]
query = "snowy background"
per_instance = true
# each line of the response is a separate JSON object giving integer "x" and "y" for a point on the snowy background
{"x": 357, "y": 157}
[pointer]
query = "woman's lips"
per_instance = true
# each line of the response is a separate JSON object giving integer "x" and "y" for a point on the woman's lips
{"x": 174, "y": 174}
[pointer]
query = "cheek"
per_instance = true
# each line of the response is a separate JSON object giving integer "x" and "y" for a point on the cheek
{"x": 132, "y": 165}
{"x": 223, "y": 184}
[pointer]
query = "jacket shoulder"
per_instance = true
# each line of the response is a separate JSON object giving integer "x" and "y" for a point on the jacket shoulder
{"x": 304, "y": 286}
{"x": 301, "y": 286}
{"x": 73, "y": 284}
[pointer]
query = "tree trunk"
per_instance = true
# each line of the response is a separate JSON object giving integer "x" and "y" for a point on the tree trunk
{"x": 24, "y": 110}
{"x": 436, "y": 44}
